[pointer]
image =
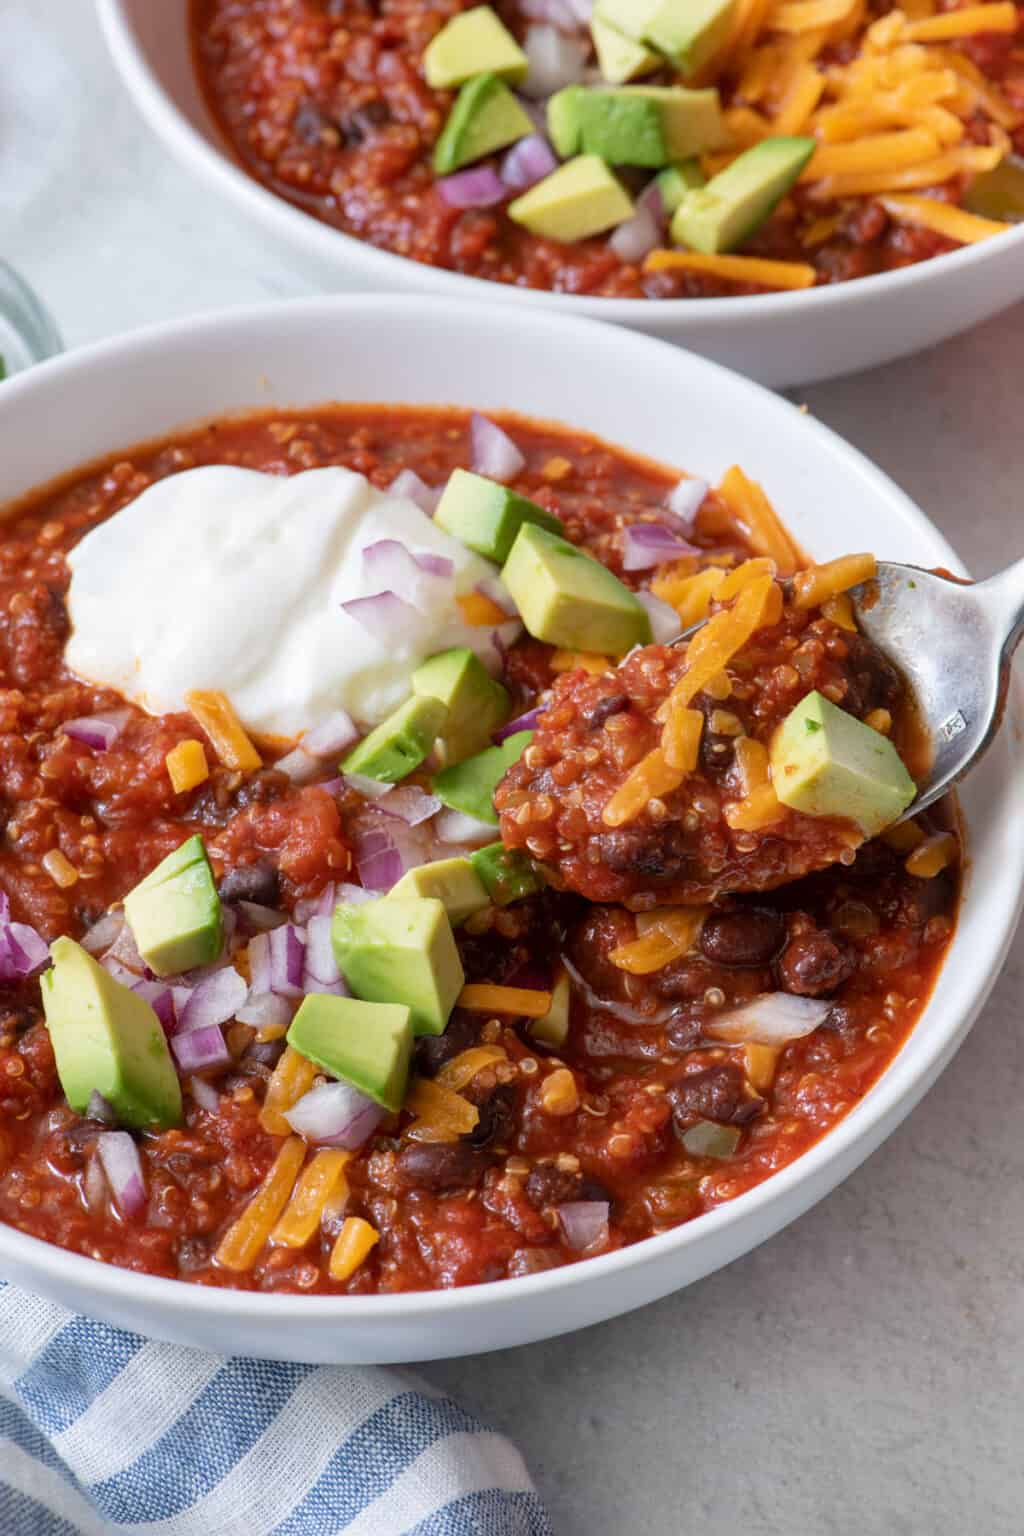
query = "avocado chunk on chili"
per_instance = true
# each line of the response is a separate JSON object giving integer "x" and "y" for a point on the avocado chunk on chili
{"x": 476, "y": 702}
{"x": 581, "y": 199}
{"x": 175, "y": 912}
{"x": 620, "y": 58}
{"x": 650, "y": 125}
{"x": 675, "y": 181}
{"x": 688, "y": 32}
{"x": 400, "y": 743}
{"x": 469, "y": 786}
{"x": 724, "y": 214}
{"x": 455, "y": 883}
{"x": 400, "y": 949}
{"x": 568, "y": 599}
{"x": 826, "y": 762}
{"x": 486, "y": 516}
{"x": 565, "y": 127}
{"x": 474, "y": 43}
{"x": 107, "y": 1039}
{"x": 486, "y": 116}
{"x": 366, "y": 1044}
{"x": 507, "y": 873}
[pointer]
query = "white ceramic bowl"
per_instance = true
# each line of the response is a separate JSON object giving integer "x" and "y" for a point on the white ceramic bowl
{"x": 780, "y": 339}
{"x": 629, "y": 389}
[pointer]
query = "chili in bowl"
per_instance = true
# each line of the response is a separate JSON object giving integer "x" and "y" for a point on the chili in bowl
{"x": 390, "y": 909}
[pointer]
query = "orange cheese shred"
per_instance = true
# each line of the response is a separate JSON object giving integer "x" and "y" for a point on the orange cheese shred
{"x": 756, "y": 518}
{"x": 478, "y": 610}
{"x": 461, "y": 1070}
{"x": 967, "y": 22}
{"x": 954, "y": 223}
{"x": 320, "y": 1181}
{"x": 818, "y": 583}
{"x": 735, "y": 269}
{"x": 664, "y": 935}
{"x": 245, "y": 1238}
{"x": 355, "y": 1241}
{"x": 215, "y": 713}
{"x": 291, "y": 1079}
{"x": 524, "y": 1002}
{"x": 440, "y": 1113}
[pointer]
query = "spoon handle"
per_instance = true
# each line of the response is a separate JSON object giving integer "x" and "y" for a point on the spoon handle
{"x": 1005, "y": 593}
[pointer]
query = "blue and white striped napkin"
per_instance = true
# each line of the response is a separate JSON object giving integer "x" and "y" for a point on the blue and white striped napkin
{"x": 103, "y": 1432}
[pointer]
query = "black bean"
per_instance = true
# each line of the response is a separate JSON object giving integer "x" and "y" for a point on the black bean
{"x": 717, "y": 1093}
{"x": 359, "y": 125}
{"x": 252, "y": 882}
{"x": 549, "y": 1185}
{"x": 441, "y": 1165}
{"x": 604, "y": 709}
{"x": 497, "y": 1120}
{"x": 814, "y": 964}
{"x": 746, "y": 936}
{"x": 432, "y": 1051}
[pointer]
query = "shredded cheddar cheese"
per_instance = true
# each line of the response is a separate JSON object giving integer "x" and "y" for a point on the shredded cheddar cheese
{"x": 524, "y": 1002}
{"x": 570, "y": 661}
{"x": 291, "y": 1079}
{"x": 355, "y": 1241}
{"x": 734, "y": 269}
{"x": 461, "y": 1070}
{"x": 479, "y": 610}
{"x": 813, "y": 587}
{"x": 967, "y": 22}
{"x": 440, "y": 1113}
{"x": 318, "y": 1183}
{"x": 245, "y": 1238}
{"x": 214, "y": 712}
{"x": 757, "y": 519}
{"x": 664, "y": 935}
{"x": 680, "y": 738}
{"x": 954, "y": 223}
{"x": 932, "y": 856}
{"x": 186, "y": 766}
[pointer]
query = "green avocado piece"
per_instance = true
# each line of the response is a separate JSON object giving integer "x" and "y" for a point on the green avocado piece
{"x": 675, "y": 181}
{"x": 175, "y": 913}
{"x": 474, "y": 43}
{"x": 507, "y": 873}
{"x": 999, "y": 193}
{"x": 569, "y": 599}
{"x": 736, "y": 202}
{"x": 486, "y": 116}
{"x": 453, "y": 882}
{"x": 690, "y": 32}
{"x": 366, "y": 1044}
{"x": 486, "y": 516}
{"x": 475, "y": 702}
{"x": 826, "y": 762}
{"x": 633, "y": 18}
{"x": 620, "y": 58}
{"x": 400, "y": 743}
{"x": 650, "y": 125}
{"x": 580, "y": 199}
{"x": 106, "y": 1039}
{"x": 553, "y": 1028}
{"x": 563, "y": 115}
{"x": 469, "y": 786}
{"x": 401, "y": 950}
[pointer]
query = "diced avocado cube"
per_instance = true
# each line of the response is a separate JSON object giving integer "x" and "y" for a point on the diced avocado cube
{"x": 826, "y": 762}
{"x": 106, "y": 1039}
{"x": 553, "y": 1028}
{"x": 400, "y": 743}
{"x": 650, "y": 125}
{"x": 582, "y": 198}
{"x": 486, "y": 116}
{"x": 476, "y": 703}
{"x": 453, "y": 882}
{"x": 620, "y": 58}
{"x": 675, "y": 181}
{"x": 469, "y": 786}
{"x": 366, "y": 1044}
{"x": 400, "y": 951}
{"x": 690, "y": 32}
{"x": 563, "y": 115}
{"x": 570, "y": 600}
{"x": 476, "y": 42}
{"x": 175, "y": 913}
{"x": 486, "y": 516}
{"x": 507, "y": 873}
{"x": 724, "y": 214}
{"x": 631, "y": 17}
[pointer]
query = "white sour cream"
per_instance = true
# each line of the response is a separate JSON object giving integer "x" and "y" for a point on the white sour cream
{"x": 230, "y": 579}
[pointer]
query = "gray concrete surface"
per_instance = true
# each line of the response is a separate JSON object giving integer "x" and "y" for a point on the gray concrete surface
{"x": 860, "y": 1375}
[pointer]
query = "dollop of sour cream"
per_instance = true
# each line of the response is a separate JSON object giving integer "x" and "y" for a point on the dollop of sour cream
{"x": 230, "y": 579}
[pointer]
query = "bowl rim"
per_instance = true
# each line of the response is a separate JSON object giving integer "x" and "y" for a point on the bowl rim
{"x": 899, "y": 1087}
{"x": 221, "y": 170}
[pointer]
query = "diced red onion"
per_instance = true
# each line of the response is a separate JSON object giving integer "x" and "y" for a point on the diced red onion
{"x": 125, "y": 949}
{"x": 494, "y": 588}
{"x": 260, "y": 918}
{"x": 637, "y": 237}
{"x": 205, "y": 1094}
{"x": 685, "y": 499}
{"x": 665, "y": 625}
{"x": 120, "y": 972}
{"x": 97, "y": 731}
{"x": 332, "y": 735}
{"x": 424, "y": 580}
{"x": 335, "y": 1115}
{"x": 648, "y": 544}
{"x": 528, "y": 162}
{"x": 409, "y": 485}
{"x": 455, "y": 827}
{"x": 123, "y": 1167}
{"x": 201, "y": 1050}
{"x": 479, "y": 187}
{"x": 23, "y": 951}
{"x": 263, "y": 1009}
{"x": 389, "y": 619}
{"x": 352, "y": 895}
{"x": 555, "y": 61}
{"x": 527, "y": 722}
{"x": 651, "y": 199}
{"x": 317, "y": 906}
{"x": 215, "y": 1000}
{"x": 378, "y": 858}
{"x": 299, "y": 767}
{"x": 584, "y": 1222}
{"x": 99, "y": 1108}
{"x": 567, "y": 14}
{"x": 370, "y": 789}
{"x": 160, "y": 998}
{"x": 287, "y": 960}
{"x": 321, "y": 972}
{"x": 494, "y": 453}
{"x": 409, "y": 804}
{"x": 181, "y": 995}
{"x": 259, "y": 963}
{"x": 103, "y": 933}
{"x": 771, "y": 1019}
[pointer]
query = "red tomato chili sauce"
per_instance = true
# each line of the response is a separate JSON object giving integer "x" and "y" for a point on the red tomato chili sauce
{"x": 326, "y": 103}
{"x": 512, "y": 1155}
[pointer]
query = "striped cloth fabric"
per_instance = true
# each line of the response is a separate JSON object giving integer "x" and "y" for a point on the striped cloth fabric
{"x": 103, "y": 1432}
